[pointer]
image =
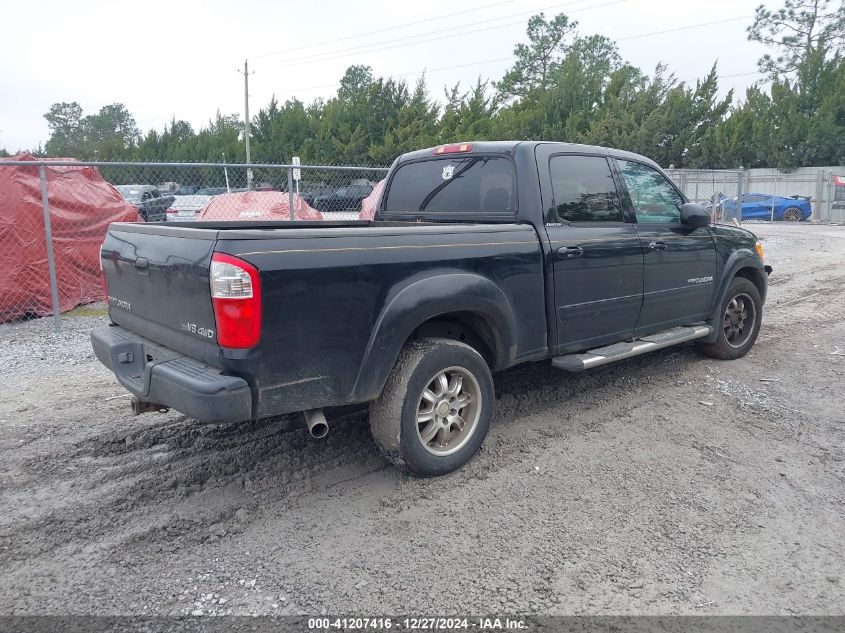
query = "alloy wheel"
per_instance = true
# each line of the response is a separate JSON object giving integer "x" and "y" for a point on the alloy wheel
{"x": 448, "y": 410}
{"x": 738, "y": 321}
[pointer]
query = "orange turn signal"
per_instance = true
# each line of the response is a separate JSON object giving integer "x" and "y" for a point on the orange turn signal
{"x": 759, "y": 248}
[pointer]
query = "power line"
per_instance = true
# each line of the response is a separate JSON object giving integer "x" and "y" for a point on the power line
{"x": 343, "y": 53}
{"x": 442, "y": 68}
{"x": 299, "y": 61}
{"x": 498, "y": 59}
{"x": 731, "y": 76}
{"x": 683, "y": 28}
{"x": 488, "y": 61}
{"x": 509, "y": 57}
{"x": 416, "y": 72}
{"x": 752, "y": 72}
{"x": 388, "y": 28}
{"x": 336, "y": 83}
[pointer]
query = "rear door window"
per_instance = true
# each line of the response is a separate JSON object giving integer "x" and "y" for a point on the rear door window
{"x": 461, "y": 187}
{"x": 584, "y": 190}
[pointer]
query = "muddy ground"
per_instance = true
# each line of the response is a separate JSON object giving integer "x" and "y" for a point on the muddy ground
{"x": 670, "y": 483}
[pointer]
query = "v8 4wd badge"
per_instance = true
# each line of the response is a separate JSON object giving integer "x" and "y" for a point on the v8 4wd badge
{"x": 193, "y": 328}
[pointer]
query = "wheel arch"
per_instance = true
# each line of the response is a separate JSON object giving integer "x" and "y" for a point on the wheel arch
{"x": 463, "y": 306}
{"x": 742, "y": 263}
{"x": 757, "y": 276}
{"x": 472, "y": 328}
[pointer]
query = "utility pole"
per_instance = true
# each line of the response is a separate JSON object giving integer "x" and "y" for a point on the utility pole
{"x": 246, "y": 74}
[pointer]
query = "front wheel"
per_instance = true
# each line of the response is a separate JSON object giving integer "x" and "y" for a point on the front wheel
{"x": 435, "y": 409}
{"x": 739, "y": 323}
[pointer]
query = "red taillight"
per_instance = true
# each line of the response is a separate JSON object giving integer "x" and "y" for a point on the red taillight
{"x": 236, "y": 297}
{"x": 454, "y": 148}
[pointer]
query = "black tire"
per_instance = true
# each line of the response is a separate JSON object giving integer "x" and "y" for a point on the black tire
{"x": 793, "y": 214}
{"x": 736, "y": 334}
{"x": 394, "y": 415}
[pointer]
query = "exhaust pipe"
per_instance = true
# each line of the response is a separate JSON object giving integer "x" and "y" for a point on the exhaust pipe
{"x": 316, "y": 422}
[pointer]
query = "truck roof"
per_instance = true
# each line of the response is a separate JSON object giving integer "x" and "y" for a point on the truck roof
{"x": 511, "y": 147}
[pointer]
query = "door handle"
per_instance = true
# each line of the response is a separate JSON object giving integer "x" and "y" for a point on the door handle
{"x": 570, "y": 252}
{"x": 657, "y": 246}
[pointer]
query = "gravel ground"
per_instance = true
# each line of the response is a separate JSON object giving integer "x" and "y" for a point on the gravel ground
{"x": 34, "y": 347}
{"x": 669, "y": 483}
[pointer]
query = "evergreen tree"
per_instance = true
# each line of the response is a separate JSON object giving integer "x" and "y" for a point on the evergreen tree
{"x": 537, "y": 60}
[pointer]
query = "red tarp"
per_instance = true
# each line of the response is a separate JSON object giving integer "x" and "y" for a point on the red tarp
{"x": 82, "y": 205}
{"x": 369, "y": 205}
{"x": 256, "y": 206}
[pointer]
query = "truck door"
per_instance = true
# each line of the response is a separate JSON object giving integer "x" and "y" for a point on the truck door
{"x": 680, "y": 262}
{"x": 597, "y": 261}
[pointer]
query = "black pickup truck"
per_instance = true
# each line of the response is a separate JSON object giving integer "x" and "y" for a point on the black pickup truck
{"x": 482, "y": 256}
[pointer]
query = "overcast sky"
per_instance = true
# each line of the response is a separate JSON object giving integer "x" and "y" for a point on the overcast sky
{"x": 165, "y": 58}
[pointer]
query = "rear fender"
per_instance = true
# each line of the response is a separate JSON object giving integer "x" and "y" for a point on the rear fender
{"x": 421, "y": 300}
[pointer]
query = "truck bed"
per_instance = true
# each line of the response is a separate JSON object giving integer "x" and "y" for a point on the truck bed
{"x": 339, "y": 298}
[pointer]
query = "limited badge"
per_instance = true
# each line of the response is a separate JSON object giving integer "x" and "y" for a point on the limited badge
{"x": 448, "y": 171}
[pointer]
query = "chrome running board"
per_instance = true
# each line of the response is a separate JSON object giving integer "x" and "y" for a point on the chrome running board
{"x": 618, "y": 351}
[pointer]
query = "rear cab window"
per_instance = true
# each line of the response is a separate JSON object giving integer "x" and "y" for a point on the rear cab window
{"x": 466, "y": 187}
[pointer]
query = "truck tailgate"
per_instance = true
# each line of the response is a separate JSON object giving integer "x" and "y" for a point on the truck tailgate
{"x": 158, "y": 285}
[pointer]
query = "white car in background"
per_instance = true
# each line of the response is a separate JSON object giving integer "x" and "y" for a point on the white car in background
{"x": 186, "y": 208}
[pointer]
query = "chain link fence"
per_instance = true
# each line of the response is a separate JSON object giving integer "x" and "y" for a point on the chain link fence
{"x": 174, "y": 192}
{"x": 713, "y": 188}
{"x": 54, "y": 214}
{"x": 766, "y": 195}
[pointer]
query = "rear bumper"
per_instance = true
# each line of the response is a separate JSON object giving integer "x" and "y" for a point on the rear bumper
{"x": 154, "y": 373}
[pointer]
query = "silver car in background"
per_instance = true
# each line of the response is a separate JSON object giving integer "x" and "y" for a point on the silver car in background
{"x": 186, "y": 208}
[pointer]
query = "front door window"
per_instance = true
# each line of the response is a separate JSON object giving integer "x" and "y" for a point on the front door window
{"x": 652, "y": 195}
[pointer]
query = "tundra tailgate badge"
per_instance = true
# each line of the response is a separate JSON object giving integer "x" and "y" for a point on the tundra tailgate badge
{"x": 120, "y": 303}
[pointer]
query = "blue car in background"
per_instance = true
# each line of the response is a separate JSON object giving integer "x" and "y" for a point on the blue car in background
{"x": 762, "y": 206}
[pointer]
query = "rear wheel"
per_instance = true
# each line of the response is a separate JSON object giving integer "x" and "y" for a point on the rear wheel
{"x": 793, "y": 214}
{"x": 435, "y": 409}
{"x": 741, "y": 316}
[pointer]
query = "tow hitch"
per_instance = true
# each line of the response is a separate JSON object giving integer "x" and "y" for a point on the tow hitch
{"x": 142, "y": 406}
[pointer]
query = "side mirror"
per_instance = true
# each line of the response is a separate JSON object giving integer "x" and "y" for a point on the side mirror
{"x": 694, "y": 215}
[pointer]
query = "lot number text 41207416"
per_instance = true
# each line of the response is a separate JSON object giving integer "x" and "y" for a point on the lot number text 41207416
{"x": 417, "y": 623}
